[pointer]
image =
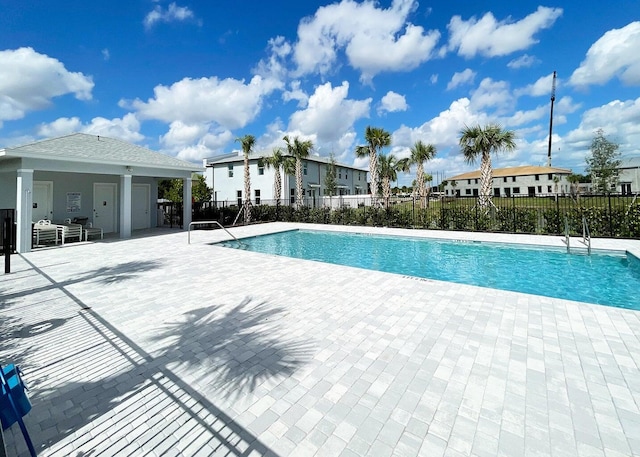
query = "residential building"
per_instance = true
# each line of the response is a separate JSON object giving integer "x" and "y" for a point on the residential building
{"x": 512, "y": 181}
{"x": 629, "y": 176}
{"x": 225, "y": 175}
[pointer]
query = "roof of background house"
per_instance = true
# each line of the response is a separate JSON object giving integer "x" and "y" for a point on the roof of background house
{"x": 237, "y": 156}
{"x": 525, "y": 170}
{"x": 81, "y": 147}
{"x": 630, "y": 162}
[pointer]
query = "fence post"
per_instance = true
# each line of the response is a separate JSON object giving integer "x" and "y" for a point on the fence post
{"x": 7, "y": 244}
{"x": 610, "y": 219}
{"x": 513, "y": 206}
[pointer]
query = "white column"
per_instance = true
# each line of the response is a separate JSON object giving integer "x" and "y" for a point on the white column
{"x": 24, "y": 202}
{"x": 125, "y": 206}
{"x": 186, "y": 206}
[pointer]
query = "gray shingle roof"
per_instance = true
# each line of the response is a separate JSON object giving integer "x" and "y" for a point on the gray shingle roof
{"x": 81, "y": 147}
{"x": 236, "y": 156}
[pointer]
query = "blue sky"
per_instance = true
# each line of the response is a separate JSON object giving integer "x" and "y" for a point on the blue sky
{"x": 187, "y": 78}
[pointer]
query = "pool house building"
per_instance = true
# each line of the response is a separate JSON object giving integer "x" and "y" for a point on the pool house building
{"x": 512, "y": 181}
{"x": 225, "y": 175}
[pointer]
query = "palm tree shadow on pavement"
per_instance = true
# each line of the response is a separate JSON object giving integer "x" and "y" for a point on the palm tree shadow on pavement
{"x": 234, "y": 348}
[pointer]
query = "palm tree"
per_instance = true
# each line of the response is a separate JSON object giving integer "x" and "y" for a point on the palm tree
{"x": 247, "y": 143}
{"x": 389, "y": 167}
{"x": 482, "y": 141}
{"x": 421, "y": 153}
{"x": 575, "y": 188}
{"x": 377, "y": 139}
{"x": 298, "y": 149}
{"x": 277, "y": 160}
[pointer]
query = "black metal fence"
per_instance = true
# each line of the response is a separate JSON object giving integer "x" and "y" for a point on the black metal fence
{"x": 7, "y": 219}
{"x": 612, "y": 215}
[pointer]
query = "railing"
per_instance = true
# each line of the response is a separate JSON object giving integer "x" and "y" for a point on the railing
{"x": 211, "y": 222}
{"x": 586, "y": 236}
{"x": 567, "y": 238}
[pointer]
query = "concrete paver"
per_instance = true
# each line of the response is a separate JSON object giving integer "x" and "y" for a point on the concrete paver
{"x": 151, "y": 345}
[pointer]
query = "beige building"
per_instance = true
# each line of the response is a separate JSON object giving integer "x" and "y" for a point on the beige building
{"x": 512, "y": 181}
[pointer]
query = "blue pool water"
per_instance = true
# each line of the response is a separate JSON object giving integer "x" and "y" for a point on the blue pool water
{"x": 606, "y": 278}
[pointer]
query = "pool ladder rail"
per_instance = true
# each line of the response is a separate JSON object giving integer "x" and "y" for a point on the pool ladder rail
{"x": 212, "y": 222}
{"x": 586, "y": 235}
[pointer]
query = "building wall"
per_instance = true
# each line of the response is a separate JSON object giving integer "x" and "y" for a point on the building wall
{"x": 225, "y": 188}
{"x": 630, "y": 177}
{"x": 512, "y": 185}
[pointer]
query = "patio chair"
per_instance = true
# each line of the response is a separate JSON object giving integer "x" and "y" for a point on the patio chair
{"x": 90, "y": 230}
{"x": 71, "y": 230}
{"x": 44, "y": 231}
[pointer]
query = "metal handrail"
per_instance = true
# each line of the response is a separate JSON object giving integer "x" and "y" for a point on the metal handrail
{"x": 210, "y": 222}
{"x": 586, "y": 236}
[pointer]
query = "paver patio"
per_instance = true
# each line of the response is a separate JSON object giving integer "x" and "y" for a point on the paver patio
{"x": 152, "y": 346}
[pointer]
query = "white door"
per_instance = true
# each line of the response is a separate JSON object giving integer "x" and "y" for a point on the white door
{"x": 42, "y": 200}
{"x": 105, "y": 206}
{"x": 140, "y": 206}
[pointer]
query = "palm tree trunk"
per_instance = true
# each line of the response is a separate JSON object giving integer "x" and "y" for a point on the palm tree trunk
{"x": 247, "y": 190}
{"x": 277, "y": 185}
{"x": 386, "y": 191}
{"x": 373, "y": 169}
{"x": 299, "y": 202}
{"x": 486, "y": 178}
{"x": 420, "y": 184}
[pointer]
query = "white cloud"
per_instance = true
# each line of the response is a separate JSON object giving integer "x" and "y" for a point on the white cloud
{"x": 274, "y": 67}
{"x": 373, "y": 39}
{"x": 433, "y": 79}
{"x": 229, "y": 102}
{"x": 392, "y": 102}
{"x": 329, "y": 114}
{"x": 106, "y": 55}
{"x": 173, "y": 13}
{"x": 524, "y": 61}
{"x": 443, "y": 130}
{"x": 540, "y": 88}
{"x": 126, "y": 128}
{"x": 29, "y": 80}
{"x": 210, "y": 144}
{"x": 492, "y": 94}
{"x": 615, "y": 54}
{"x": 492, "y": 38}
{"x": 296, "y": 93}
{"x": 464, "y": 77}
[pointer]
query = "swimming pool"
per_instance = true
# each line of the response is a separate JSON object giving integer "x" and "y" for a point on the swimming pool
{"x": 608, "y": 277}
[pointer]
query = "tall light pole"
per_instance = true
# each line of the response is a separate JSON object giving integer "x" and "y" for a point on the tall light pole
{"x": 553, "y": 98}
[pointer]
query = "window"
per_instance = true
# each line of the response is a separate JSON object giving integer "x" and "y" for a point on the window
{"x": 516, "y": 190}
{"x": 359, "y": 175}
{"x": 537, "y": 177}
{"x": 230, "y": 168}
{"x": 339, "y": 173}
{"x": 507, "y": 192}
{"x": 549, "y": 189}
{"x": 513, "y": 179}
{"x": 467, "y": 191}
{"x": 346, "y": 174}
{"x": 539, "y": 189}
{"x": 292, "y": 198}
{"x": 550, "y": 176}
{"x": 468, "y": 181}
{"x": 260, "y": 169}
{"x": 476, "y": 181}
{"x": 496, "y": 191}
{"x": 475, "y": 192}
{"x": 239, "y": 194}
{"x": 504, "y": 179}
{"x": 256, "y": 194}
{"x": 304, "y": 169}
